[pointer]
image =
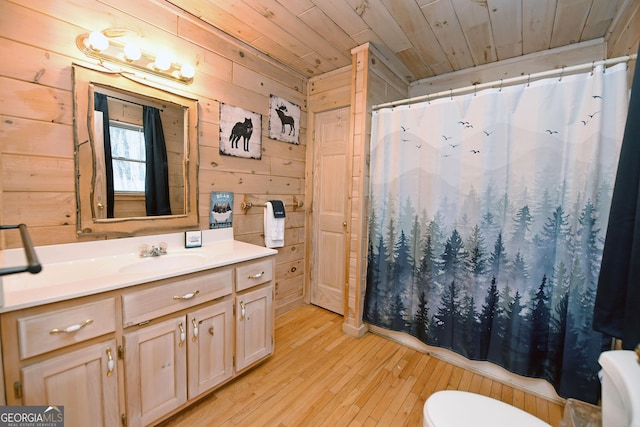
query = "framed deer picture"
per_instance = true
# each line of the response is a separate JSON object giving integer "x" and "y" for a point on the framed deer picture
{"x": 284, "y": 120}
{"x": 240, "y": 132}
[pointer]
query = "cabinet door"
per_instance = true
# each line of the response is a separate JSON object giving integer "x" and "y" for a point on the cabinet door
{"x": 254, "y": 326}
{"x": 155, "y": 370}
{"x": 84, "y": 381}
{"x": 210, "y": 347}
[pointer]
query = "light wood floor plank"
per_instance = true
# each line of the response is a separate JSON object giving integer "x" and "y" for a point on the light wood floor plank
{"x": 319, "y": 376}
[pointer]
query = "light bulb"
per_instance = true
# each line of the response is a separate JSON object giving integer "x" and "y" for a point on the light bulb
{"x": 187, "y": 71}
{"x": 98, "y": 41}
{"x": 132, "y": 52}
{"x": 162, "y": 63}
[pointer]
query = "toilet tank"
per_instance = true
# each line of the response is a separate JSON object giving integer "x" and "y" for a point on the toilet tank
{"x": 620, "y": 388}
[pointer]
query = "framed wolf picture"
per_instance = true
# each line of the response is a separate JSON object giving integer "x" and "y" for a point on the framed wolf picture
{"x": 240, "y": 132}
{"x": 284, "y": 120}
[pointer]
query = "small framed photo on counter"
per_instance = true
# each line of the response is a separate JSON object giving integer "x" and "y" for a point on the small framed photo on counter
{"x": 193, "y": 239}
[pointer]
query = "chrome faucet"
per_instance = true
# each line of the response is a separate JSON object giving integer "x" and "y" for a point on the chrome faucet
{"x": 153, "y": 251}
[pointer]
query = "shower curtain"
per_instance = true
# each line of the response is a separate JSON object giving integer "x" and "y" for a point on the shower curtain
{"x": 488, "y": 213}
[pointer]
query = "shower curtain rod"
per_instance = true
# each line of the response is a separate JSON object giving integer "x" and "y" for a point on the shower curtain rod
{"x": 509, "y": 81}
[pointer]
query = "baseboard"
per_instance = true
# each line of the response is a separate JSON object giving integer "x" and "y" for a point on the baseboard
{"x": 288, "y": 306}
{"x": 353, "y": 331}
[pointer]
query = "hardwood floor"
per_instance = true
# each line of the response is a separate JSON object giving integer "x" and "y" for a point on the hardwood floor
{"x": 319, "y": 376}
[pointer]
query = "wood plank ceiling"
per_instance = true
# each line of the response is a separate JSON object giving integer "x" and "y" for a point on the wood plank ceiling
{"x": 420, "y": 38}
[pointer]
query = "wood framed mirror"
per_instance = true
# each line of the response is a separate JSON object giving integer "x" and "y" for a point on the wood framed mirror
{"x": 112, "y": 183}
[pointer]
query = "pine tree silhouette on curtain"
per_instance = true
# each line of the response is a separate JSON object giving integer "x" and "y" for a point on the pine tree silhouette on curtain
{"x": 490, "y": 246}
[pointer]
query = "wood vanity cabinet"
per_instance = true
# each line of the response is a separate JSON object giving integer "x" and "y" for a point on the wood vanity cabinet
{"x": 179, "y": 336}
{"x": 82, "y": 381}
{"x": 179, "y": 339}
{"x": 64, "y": 354}
{"x": 177, "y": 360}
{"x": 254, "y": 313}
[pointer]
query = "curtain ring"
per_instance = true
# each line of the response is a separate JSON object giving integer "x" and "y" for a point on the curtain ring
{"x": 500, "y": 90}
{"x": 529, "y": 80}
{"x": 451, "y": 93}
{"x": 593, "y": 67}
{"x": 561, "y": 74}
{"x": 475, "y": 89}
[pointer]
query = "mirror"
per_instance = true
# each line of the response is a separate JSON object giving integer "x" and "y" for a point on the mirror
{"x": 113, "y": 189}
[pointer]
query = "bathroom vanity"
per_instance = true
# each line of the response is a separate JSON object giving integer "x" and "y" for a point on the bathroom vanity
{"x": 122, "y": 340}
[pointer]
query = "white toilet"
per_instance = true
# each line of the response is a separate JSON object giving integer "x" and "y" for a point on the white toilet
{"x": 453, "y": 408}
{"x": 620, "y": 388}
{"x": 620, "y": 401}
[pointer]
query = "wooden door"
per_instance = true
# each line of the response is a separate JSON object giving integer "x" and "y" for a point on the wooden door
{"x": 329, "y": 221}
{"x": 210, "y": 347}
{"x": 83, "y": 381}
{"x": 254, "y": 326}
{"x": 156, "y": 370}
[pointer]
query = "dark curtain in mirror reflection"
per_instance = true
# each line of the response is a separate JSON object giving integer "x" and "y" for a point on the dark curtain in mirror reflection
{"x": 157, "y": 176}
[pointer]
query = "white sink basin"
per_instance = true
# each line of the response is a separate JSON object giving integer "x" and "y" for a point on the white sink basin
{"x": 163, "y": 263}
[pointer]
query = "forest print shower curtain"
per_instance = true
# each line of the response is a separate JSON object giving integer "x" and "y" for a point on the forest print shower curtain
{"x": 488, "y": 213}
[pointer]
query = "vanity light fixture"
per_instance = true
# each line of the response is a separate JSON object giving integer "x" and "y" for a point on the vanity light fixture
{"x": 116, "y": 47}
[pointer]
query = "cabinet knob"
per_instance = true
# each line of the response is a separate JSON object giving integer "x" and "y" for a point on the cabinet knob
{"x": 183, "y": 335}
{"x": 256, "y": 276}
{"x": 194, "y": 322}
{"x": 242, "y": 310}
{"x": 110, "y": 363}
{"x": 71, "y": 328}
{"x": 186, "y": 296}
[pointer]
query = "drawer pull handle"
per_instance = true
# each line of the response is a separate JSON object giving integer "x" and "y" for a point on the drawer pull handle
{"x": 211, "y": 330}
{"x": 187, "y": 296}
{"x": 256, "y": 276}
{"x": 71, "y": 328}
{"x": 195, "y": 329}
{"x": 110, "y": 363}
{"x": 183, "y": 336}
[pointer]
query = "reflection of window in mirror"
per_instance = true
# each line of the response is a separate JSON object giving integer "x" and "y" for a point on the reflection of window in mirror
{"x": 127, "y": 157}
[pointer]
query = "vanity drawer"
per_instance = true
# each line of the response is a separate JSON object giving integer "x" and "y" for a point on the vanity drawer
{"x": 150, "y": 303}
{"x": 55, "y": 329}
{"x": 253, "y": 274}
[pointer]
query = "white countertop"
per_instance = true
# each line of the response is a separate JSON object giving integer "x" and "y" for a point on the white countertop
{"x": 79, "y": 269}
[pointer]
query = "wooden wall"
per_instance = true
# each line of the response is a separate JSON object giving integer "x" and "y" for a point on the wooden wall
{"x": 624, "y": 36}
{"x": 375, "y": 82}
{"x": 37, "y": 41}
{"x": 622, "y": 40}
